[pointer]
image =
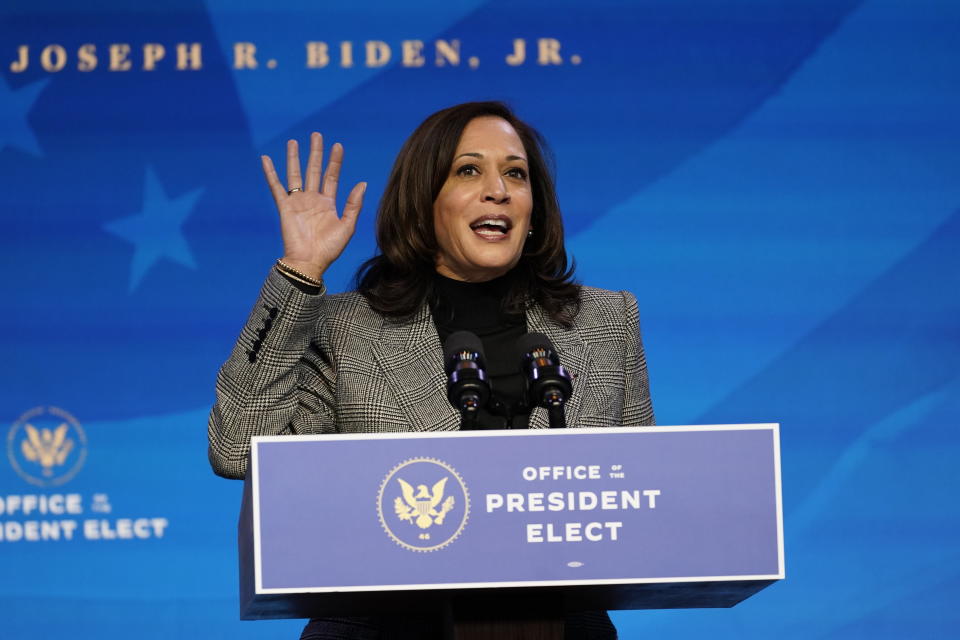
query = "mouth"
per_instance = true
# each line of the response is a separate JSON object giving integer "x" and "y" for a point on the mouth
{"x": 492, "y": 227}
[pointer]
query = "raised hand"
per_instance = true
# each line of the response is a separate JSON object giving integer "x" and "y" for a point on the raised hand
{"x": 314, "y": 235}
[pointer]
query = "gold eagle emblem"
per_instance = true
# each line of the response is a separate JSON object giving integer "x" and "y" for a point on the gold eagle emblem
{"x": 49, "y": 447}
{"x": 420, "y": 506}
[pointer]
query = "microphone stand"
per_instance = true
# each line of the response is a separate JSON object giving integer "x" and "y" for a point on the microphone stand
{"x": 554, "y": 400}
{"x": 469, "y": 410}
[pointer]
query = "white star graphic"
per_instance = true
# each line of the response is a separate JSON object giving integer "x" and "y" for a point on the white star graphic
{"x": 157, "y": 231}
{"x": 15, "y": 131}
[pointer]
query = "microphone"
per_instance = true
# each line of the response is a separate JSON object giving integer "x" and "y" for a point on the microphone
{"x": 467, "y": 386}
{"x": 548, "y": 383}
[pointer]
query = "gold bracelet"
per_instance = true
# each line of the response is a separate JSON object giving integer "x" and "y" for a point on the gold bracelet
{"x": 298, "y": 275}
{"x": 290, "y": 276}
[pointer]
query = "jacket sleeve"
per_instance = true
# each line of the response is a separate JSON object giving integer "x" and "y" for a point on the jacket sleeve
{"x": 637, "y": 406}
{"x": 277, "y": 380}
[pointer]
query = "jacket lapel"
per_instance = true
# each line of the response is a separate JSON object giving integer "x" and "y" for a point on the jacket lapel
{"x": 411, "y": 359}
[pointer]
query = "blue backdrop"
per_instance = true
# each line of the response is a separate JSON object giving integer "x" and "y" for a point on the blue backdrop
{"x": 778, "y": 181}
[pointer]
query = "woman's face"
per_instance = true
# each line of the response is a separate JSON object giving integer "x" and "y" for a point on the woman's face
{"x": 482, "y": 214}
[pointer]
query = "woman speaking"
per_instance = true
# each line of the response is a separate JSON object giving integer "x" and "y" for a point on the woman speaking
{"x": 470, "y": 237}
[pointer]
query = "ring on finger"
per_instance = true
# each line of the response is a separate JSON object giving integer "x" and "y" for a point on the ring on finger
{"x": 295, "y": 189}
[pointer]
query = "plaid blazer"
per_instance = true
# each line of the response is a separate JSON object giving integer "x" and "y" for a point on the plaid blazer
{"x": 307, "y": 364}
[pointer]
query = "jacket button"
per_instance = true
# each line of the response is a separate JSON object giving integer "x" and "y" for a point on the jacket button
{"x": 257, "y": 344}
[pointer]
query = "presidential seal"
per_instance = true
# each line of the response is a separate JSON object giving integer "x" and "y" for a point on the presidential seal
{"x": 423, "y": 504}
{"x": 46, "y": 446}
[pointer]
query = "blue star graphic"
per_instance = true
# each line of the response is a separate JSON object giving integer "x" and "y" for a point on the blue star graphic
{"x": 157, "y": 231}
{"x": 14, "y": 107}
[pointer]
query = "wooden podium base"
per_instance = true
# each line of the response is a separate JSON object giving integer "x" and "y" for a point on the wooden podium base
{"x": 530, "y": 618}
{"x": 552, "y": 629}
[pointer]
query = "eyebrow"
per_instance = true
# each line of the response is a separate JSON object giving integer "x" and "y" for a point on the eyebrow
{"x": 480, "y": 155}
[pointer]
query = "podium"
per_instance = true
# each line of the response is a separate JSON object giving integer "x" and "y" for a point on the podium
{"x": 530, "y": 523}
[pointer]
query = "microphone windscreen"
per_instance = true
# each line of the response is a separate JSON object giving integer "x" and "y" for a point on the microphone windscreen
{"x": 459, "y": 341}
{"x": 531, "y": 341}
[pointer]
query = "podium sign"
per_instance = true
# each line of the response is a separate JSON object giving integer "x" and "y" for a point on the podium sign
{"x": 617, "y": 517}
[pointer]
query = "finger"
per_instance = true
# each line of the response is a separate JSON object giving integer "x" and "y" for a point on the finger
{"x": 276, "y": 187}
{"x": 294, "y": 181}
{"x": 314, "y": 162}
{"x": 332, "y": 177}
{"x": 354, "y": 201}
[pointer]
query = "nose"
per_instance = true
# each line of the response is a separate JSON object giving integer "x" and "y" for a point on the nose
{"x": 495, "y": 189}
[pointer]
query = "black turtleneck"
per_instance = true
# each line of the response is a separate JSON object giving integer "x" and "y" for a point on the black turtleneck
{"x": 477, "y": 307}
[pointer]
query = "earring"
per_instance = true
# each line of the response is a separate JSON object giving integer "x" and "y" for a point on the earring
{"x": 530, "y": 233}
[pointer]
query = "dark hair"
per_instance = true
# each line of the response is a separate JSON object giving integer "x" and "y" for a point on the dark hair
{"x": 399, "y": 279}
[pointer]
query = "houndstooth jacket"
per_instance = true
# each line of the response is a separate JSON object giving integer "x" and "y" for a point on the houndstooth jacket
{"x": 309, "y": 364}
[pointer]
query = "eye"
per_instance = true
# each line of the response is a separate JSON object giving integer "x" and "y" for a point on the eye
{"x": 468, "y": 170}
{"x": 517, "y": 172}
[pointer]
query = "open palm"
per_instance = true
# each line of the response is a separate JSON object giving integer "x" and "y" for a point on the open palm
{"x": 314, "y": 234}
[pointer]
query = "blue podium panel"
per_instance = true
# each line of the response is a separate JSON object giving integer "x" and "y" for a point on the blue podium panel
{"x": 613, "y": 508}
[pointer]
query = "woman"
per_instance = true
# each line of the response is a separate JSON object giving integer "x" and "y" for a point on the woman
{"x": 470, "y": 237}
